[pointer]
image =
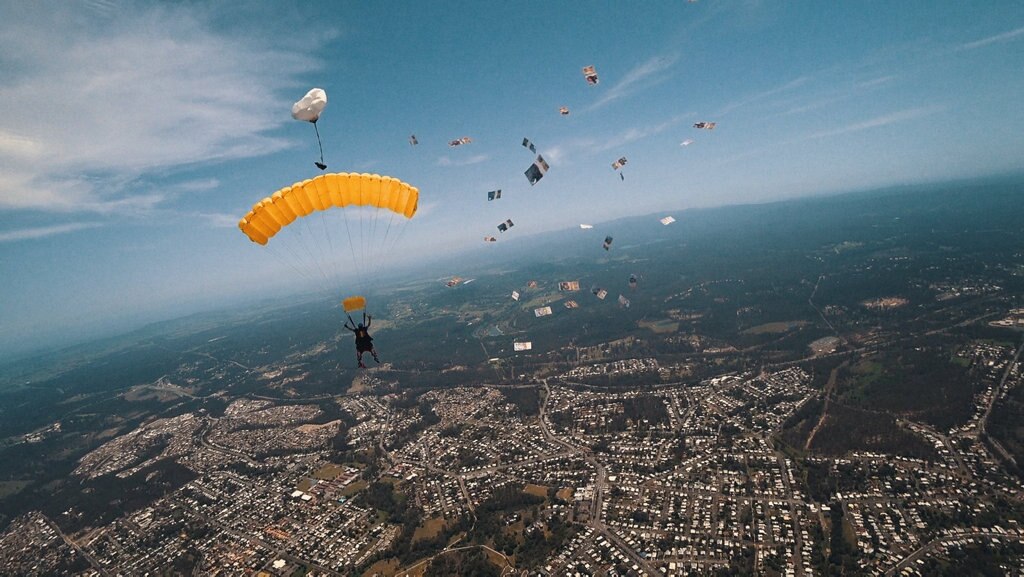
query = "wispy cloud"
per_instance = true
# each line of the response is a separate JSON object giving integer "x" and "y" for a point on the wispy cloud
{"x": 199, "y": 185}
{"x": 44, "y": 231}
{"x": 475, "y": 159}
{"x": 1004, "y": 37}
{"x": 144, "y": 92}
{"x": 876, "y": 81}
{"x": 837, "y": 94}
{"x": 637, "y": 133}
{"x": 219, "y": 219}
{"x": 563, "y": 152}
{"x": 747, "y": 100}
{"x": 879, "y": 121}
{"x": 642, "y": 76}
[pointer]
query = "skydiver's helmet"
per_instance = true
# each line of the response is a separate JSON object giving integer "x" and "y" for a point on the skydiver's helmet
{"x": 361, "y": 327}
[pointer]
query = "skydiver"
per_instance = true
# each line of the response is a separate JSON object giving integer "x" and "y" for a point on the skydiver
{"x": 364, "y": 342}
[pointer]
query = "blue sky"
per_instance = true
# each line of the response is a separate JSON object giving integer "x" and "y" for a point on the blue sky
{"x": 133, "y": 135}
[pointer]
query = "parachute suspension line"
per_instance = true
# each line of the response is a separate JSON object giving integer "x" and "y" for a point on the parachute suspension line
{"x": 290, "y": 262}
{"x": 385, "y": 250}
{"x": 377, "y": 255}
{"x": 312, "y": 254}
{"x": 362, "y": 247}
{"x": 398, "y": 237}
{"x": 321, "y": 166}
{"x": 330, "y": 245}
{"x": 301, "y": 255}
{"x": 299, "y": 260}
{"x": 352, "y": 250}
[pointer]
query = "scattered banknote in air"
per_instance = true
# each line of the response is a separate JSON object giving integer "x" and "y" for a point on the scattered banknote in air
{"x": 586, "y": 226}
{"x": 460, "y": 141}
{"x": 542, "y": 312}
{"x": 528, "y": 144}
{"x": 607, "y": 242}
{"x": 667, "y": 220}
{"x": 564, "y": 111}
{"x": 624, "y": 302}
{"x": 590, "y": 74}
{"x": 599, "y": 292}
{"x": 494, "y": 194}
{"x": 536, "y": 170}
{"x": 705, "y": 125}
{"x": 412, "y": 140}
{"x": 619, "y": 163}
{"x": 572, "y": 305}
{"x": 506, "y": 225}
{"x": 569, "y": 285}
{"x": 515, "y": 295}
{"x": 686, "y": 142}
{"x": 522, "y": 346}
{"x": 490, "y": 239}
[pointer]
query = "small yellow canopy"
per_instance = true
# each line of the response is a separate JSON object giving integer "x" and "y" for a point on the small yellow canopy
{"x": 354, "y": 303}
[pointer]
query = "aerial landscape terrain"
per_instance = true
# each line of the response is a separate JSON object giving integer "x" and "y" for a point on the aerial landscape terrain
{"x": 723, "y": 288}
{"x": 809, "y": 387}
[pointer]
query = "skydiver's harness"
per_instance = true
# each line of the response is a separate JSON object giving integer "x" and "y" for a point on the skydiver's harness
{"x": 364, "y": 342}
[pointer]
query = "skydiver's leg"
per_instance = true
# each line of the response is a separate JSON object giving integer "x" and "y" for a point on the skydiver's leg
{"x": 359, "y": 359}
{"x": 374, "y": 353}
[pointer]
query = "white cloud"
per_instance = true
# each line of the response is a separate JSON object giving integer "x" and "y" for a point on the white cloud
{"x": 879, "y": 121}
{"x": 475, "y": 159}
{"x": 876, "y": 81}
{"x": 642, "y": 76}
{"x": 562, "y": 153}
{"x": 638, "y": 133}
{"x": 993, "y": 39}
{"x": 44, "y": 231}
{"x": 142, "y": 91}
{"x": 219, "y": 219}
{"x": 761, "y": 96}
{"x": 199, "y": 185}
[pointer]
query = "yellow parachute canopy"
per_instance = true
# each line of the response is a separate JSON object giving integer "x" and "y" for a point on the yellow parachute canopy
{"x": 342, "y": 189}
{"x": 354, "y": 303}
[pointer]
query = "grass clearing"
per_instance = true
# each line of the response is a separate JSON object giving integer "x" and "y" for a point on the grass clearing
{"x": 384, "y": 568}
{"x": 354, "y": 488}
{"x": 662, "y": 326}
{"x": 774, "y": 328}
{"x": 328, "y": 472}
{"x": 536, "y": 490}
{"x": 8, "y": 488}
{"x": 429, "y": 529}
